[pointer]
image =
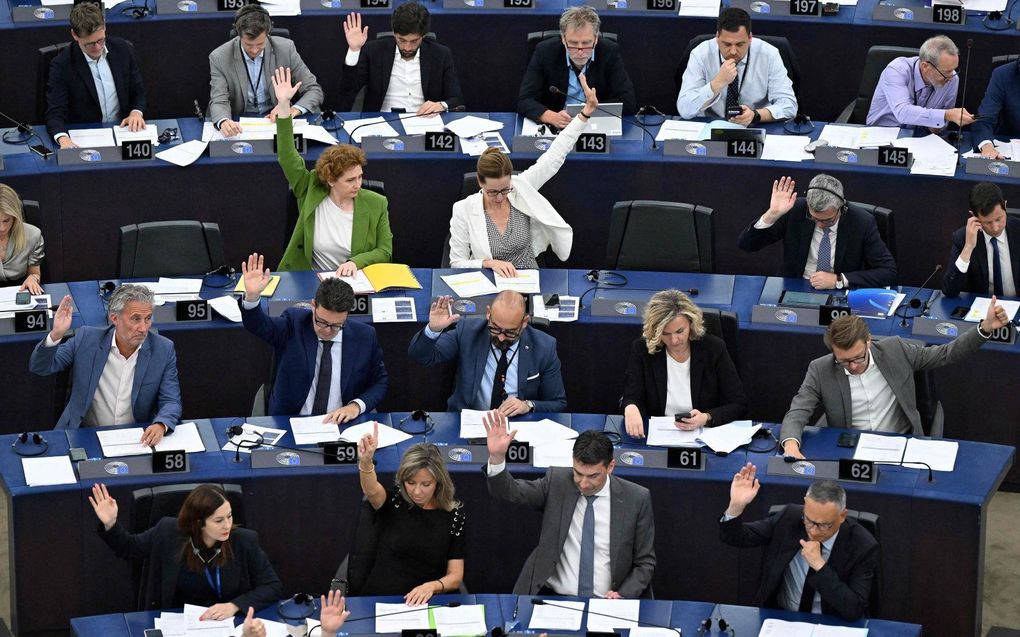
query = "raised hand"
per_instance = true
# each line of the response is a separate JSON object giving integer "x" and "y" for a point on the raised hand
{"x": 367, "y": 445}
{"x": 253, "y": 627}
{"x": 784, "y": 196}
{"x": 591, "y": 102}
{"x": 62, "y": 319}
{"x": 439, "y": 314}
{"x": 284, "y": 90}
{"x": 333, "y": 615}
{"x": 497, "y": 436}
{"x": 104, "y": 505}
{"x": 255, "y": 275}
{"x": 743, "y": 489}
{"x": 355, "y": 34}
{"x": 995, "y": 317}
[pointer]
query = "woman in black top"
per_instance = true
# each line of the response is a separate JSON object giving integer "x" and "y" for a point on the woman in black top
{"x": 199, "y": 557}
{"x": 420, "y": 550}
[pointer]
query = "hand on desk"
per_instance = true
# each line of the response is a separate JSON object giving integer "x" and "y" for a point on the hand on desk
{"x": 792, "y": 448}
{"x": 221, "y": 611}
{"x": 333, "y": 614}
{"x": 347, "y": 268}
{"x": 420, "y": 594}
{"x": 343, "y": 414}
{"x": 67, "y": 142}
{"x": 743, "y": 489}
{"x": 153, "y": 434}
{"x": 230, "y": 128}
{"x": 62, "y": 319}
{"x": 613, "y": 595}
{"x": 989, "y": 151}
{"x": 253, "y": 627}
{"x": 633, "y": 422}
{"x": 497, "y": 436}
{"x": 823, "y": 281}
{"x": 134, "y": 122}
{"x": 104, "y": 505}
{"x": 502, "y": 268}
{"x": 439, "y": 314}
{"x": 32, "y": 284}
{"x": 429, "y": 109}
{"x": 513, "y": 406}
{"x": 255, "y": 275}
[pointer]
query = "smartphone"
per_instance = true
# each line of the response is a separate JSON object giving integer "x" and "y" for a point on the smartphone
{"x": 679, "y": 417}
{"x": 551, "y": 300}
{"x": 152, "y": 632}
{"x": 733, "y": 112}
{"x": 41, "y": 150}
{"x": 960, "y": 311}
{"x": 77, "y": 454}
{"x": 23, "y": 298}
{"x": 848, "y": 439}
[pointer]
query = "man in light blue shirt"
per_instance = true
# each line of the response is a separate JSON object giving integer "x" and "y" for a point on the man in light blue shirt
{"x": 736, "y": 77}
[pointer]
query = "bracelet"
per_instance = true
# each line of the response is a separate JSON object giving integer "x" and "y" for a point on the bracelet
{"x": 442, "y": 586}
{"x": 981, "y": 332}
{"x": 586, "y": 117}
{"x": 372, "y": 470}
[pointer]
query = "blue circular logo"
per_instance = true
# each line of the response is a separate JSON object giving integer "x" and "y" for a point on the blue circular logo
{"x": 465, "y": 305}
{"x": 393, "y": 144}
{"x": 998, "y": 168}
{"x": 43, "y": 13}
{"x": 330, "y": 4}
{"x": 116, "y": 468}
{"x": 459, "y": 454}
{"x": 187, "y": 6}
{"x": 696, "y": 149}
{"x": 847, "y": 156}
{"x": 786, "y": 316}
{"x": 804, "y": 468}
{"x": 947, "y": 329}
{"x": 632, "y": 458}
{"x": 902, "y": 13}
{"x": 288, "y": 459}
{"x": 242, "y": 148}
{"x": 543, "y": 143}
{"x": 89, "y": 154}
{"x": 626, "y": 308}
{"x": 761, "y": 7}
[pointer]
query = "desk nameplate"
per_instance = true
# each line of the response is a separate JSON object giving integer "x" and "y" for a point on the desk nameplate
{"x": 846, "y": 156}
{"x": 172, "y": 7}
{"x": 393, "y": 144}
{"x": 694, "y": 148}
{"x": 783, "y": 315}
{"x": 242, "y": 148}
{"x": 167, "y": 313}
{"x": 622, "y": 304}
{"x": 811, "y": 469}
{"x": 107, "y": 468}
{"x": 891, "y": 11}
{"x": 641, "y": 458}
{"x": 489, "y": 5}
{"x": 7, "y": 325}
{"x": 997, "y": 168}
{"x": 96, "y": 155}
{"x": 1, "y": 162}
{"x": 761, "y": 7}
{"x": 663, "y": 7}
{"x": 36, "y": 13}
{"x": 285, "y": 459}
{"x": 350, "y": 5}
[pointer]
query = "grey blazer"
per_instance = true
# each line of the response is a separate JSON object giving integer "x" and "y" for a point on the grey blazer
{"x": 15, "y": 267}
{"x": 229, "y": 77}
{"x": 631, "y": 530}
{"x": 826, "y": 388}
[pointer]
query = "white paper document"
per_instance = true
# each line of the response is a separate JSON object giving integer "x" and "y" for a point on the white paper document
{"x": 699, "y": 8}
{"x": 566, "y": 311}
{"x": 166, "y": 286}
{"x": 93, "y": 137}
{"x": 369, "y": 127}
{"x": 985, "y": 5}
{"x": 642, "y": 631}
{"x": 471, "y": 424}
{"x": 388, "y": 436}
{"x": 553, "y": 453}
{"x": 625, "y": 614}
{"x": 204, "y": 627}
{"x": 172, "y": 624}
{"x": 781, "y": 628}
{"x": 557, "y": 617}
{"x": 932, "y": 155}
{"x": 319, "y": 134}
{"x": 393, "y": 618}
{"x": 475, "y": 146}
{"x": 842, "y": 136}
{"x": 940, "y": 455}
{"x": 124, "y": 134}
{"x": 117, "y": 443}
{"x": 310, "y": 430}
{"x": 469, "y": 284}
{"x": 185, "y": 437}
{"x": 48, "y": 470}
{"x": 467, "y": 619}
{"x": 680, "y": 129}
{"x": 226, "y": 306}
{"x": 726, "y": 438}
{"x": 880, "y": 448}
{"x": 663, "y": 432}
{"x": 526, "y": 282}
{"x": 979, "y": 308}
{"x": 183, "y": 154}
{"x": 359, "y": 282}
{"x": 250, "y": 437}
{"x": 542, "y": 431}
{"x": 273, "y": 629}
{"x": 786, "y": 148}
{"x": 398, "y": 309}
{"x": 420, "y": 125}
{"x": 254, "y": 128}
{"x": 471, "y": 125}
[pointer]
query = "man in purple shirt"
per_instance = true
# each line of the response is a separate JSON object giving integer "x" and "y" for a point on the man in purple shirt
{"x": 920, "y": 91}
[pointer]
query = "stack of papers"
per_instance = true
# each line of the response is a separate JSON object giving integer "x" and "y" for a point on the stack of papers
{"x": 226, "y": 306}
{"x": 368, "y": 127}
{"x": 563, "y": 616}
{"x": 421, "y": 125}
{"x": 698, "y": 9}
{"x": 475, "y": 146}
{"x": 680, "y": 129}
{"x": 940, "y": 455}
{"x": 780, "y": 628}
{"x": 624, "y": 613}
{"x": 526, "y": 282}
{"x": 393, "y": 618}
{"x": 196, "y": 627}
{"x": 310, "y": 430}
{"x": 388, "y": 436}
{"x": 542, "y": 431}
{"x": 472, "y": 126}
{"x": 471, "y": 427}
{"x": 49, "y": 470}
{"x": 467, "y": 619}
{"x": 274, "y": 281}
{"x": 726, "y": 438}
{"x": 786, "y": 148}
{"x": 880, "y": 448}
{"x": 553, "y": 453}
{"x": 469, "y": 284}
{"x": 282, "y": 7}
{"x": 663, "y": 432}
{"x": 269, "y": 436}
{"x": 166, "y": 286}
{"x": 979, "y": 308}
{"x": 124, "y": 134}
{"x": 117, "y": 443}
{"x": 932, "y": 155}
{"x": 842, "y": 136}
{"x": 92, "y": 137}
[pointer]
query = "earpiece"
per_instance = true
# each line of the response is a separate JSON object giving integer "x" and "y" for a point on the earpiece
{"x": 843, "y": 207}
{"x": 38, "y": 448}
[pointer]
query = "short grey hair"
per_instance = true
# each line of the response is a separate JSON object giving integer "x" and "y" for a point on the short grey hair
{"x": 826, "y": 491}
{"x": 819, "y": 200}
{"x": 578, "y": 17}
{"x": 935, "y": 46}
{"x": 128, "y": 293}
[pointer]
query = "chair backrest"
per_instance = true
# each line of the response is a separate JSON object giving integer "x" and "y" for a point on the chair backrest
{"x": 46, "y": 55}
{"x": 884, "y": 221}
{"x": 878, "y": 58}
{"x": 1013, "y": 212}
{"x": 724, "y": 325}
{"x": 375, "y": 185}
{"x": 928, "y": 404}
{"x": 999, "y": 60}
{"x": 279, "y": 32}
{"x": 534, "y": 37}
{"x": 660, "y": 235}
{"x": 169, "y": 248}
{"x": 32, "y": 214}
{"x": 356, "y": 566}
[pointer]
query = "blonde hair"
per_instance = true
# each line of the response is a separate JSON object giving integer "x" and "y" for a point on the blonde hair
{"x": 663, "y": 308}
{"x": 10, "y": 205}
{"x": 427, "y": 456}
{"x": 338, "y": 159}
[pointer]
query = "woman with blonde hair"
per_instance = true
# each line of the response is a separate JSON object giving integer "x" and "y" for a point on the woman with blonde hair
{"x": 676, "y": 368}
{"x": 21, "y": 244}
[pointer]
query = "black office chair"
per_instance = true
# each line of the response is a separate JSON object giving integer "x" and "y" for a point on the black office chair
{"x": 928, "y": 404}
{"x": 152, "y": 504}
{"x": 535, "y": 37}
{"x": 279, "y": 32}
{"x": 661, "y": 236}
{"x": 884, "y": 221}
{"x": 879, "y": 57}
{"x": 870, "y": 523}
{"x": 726, "y": 326}
{"x": 260, "y": 405}
{"x": 169, "y": 248}
{"x": 32, "y": 214}
{"x": 46, "y": 55}
{"x": 999, "y": 60}
{"x": 781, "y": 43}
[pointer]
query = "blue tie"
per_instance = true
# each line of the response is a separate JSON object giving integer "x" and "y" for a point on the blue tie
{"x": 586, "y": 569}
{"x": 824, "y": 253}
{"x": 320, "y": 404}
{"x": 996, "y": 269}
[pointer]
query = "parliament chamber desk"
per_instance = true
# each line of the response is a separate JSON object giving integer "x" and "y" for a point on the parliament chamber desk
{"x": 500, "y": 612}
{"x": 489, "y": 50}
{"x": 933, "y": 532}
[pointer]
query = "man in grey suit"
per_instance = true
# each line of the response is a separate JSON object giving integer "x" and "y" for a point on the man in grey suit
{"x": 241, "y": 73}
{"x": 868, "y": 385}
{"x": 598, "y": 533}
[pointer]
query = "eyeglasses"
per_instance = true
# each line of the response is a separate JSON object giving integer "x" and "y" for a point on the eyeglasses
{"x": 95, "y": 44}
{"x": 332, "y": 327}
{"x": 580, "y": 48}
{"x": 825, "y": 223}
{"x": 495, "y": 330}
{"x": 492, "y": 194}
{"x": 945, "y": 77}
{"x": 859, "y": 360}
{"x": 821, "y": 526}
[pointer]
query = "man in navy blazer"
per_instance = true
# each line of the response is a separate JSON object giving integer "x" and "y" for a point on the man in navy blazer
{"x": 121, "y": 374}
{"x": 999, "y": 113}
{"x": 353, "y": 381}
{"x": 94, "y": 80}
{"x": 816, "y": 560}
{"x": 559, "y": 62}
{"x": 971, "y": 267}
{"x": 857, "y": 256}
{"x": 407, "y": 71}
{"x": 503, "y": 363}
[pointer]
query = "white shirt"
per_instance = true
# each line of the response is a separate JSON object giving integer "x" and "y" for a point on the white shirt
{"x": 1005, "y": 262}
{"x": 811, "y": 265}
{"x": 404, "y": 90}
{"x": 872, "y": 402}
{"x": 106, "y": 89}
{"x": 111, "y": 404}
{"x": 331, "y": 243}
{"x": 678, "y": 386}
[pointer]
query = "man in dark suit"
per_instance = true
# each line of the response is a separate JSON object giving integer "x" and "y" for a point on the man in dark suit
{"x": 560, "y": 63}
{"x": 999, "y": 113}
{"x": 408, "y": 72}
{"x": 825, "y": 239}
{"x": 94, "y": 80}
{"x": 503, "y": 363}
{"x": 313, "y": 375}
{"x": 816, "y": 560}
{"x": 985, "y": 258}
{"x": 598, "y": 531}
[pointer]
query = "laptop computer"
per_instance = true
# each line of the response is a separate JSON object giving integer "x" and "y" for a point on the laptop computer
{"x": 602, "y": 121}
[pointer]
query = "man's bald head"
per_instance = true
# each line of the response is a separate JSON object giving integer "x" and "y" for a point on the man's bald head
{"x": 507, "y": 312}
{"x": 510, "y": 299}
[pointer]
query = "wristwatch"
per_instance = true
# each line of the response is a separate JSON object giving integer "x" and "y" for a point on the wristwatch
{"x": 839, "y": 281}
{"x": 531, "y": 405}
{"x": 756, "y": 119}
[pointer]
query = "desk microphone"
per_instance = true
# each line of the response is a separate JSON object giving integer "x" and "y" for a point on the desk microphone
{"x": 350, "y": 135}
{"x": 238, "y": 430}
{"x": 556, "y": 91}
{"x": 899, "y": 463}
{"x": 963, "y": 100}
{"x": 25, "y": 129}
{"x": 198, "y": 112}
{"x": 542, "y": 602}
{"x": 914, "y": 302}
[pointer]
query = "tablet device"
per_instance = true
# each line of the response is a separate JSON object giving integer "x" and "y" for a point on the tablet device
{"x": 804, "y": 299}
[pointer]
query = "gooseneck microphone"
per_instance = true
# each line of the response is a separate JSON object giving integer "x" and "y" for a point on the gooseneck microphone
{"x": 542, "y": 602}
{"x": 963, "y": 101}
{"x": 556, "y": 91}
{"x": 350, "y": 135}
{"x": 238, "y": 430}
{"x": 914, "y": 302}
{"x": 898, "y": 463}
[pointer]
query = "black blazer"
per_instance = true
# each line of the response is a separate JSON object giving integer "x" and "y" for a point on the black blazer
{"x": 548, "y": 66}
{"x": 715, "y": 385}
{"x": 861, "y": 254}
{"x": 844, "y": 582}
{"x": 439, "y": 82}
{"x": 248, "y": 578}
{"x": 977, "y": 277}
{"x": 71, "y": 96}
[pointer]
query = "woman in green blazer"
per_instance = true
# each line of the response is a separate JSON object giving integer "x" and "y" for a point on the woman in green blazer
{"x": 340, "y": 226}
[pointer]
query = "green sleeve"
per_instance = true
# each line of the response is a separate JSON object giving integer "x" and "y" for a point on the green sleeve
{"x": 292, "y": 163}
{"x": 382, "y": 252}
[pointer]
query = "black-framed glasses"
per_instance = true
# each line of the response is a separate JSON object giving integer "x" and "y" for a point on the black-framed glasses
{"x": 945, "y": 77}
{"x": 581, "y": 48}
{"x": 492, "y": 194}
{"x": 332, "y": 327}
{"x": 858, "y": 360}
{"x": 821, "y": 526}
{"x": 825, "y": 223}
{"x": 495, "y": 330}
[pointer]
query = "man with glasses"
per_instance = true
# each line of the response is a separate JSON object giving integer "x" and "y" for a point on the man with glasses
{"x": 503, "y": 363}
{"x": 408, "y": 73}
{"x": 560, "y": 63}
{"x": 325, "y": 363}
{"x": 816, "y": 559}
{"x": 826, "y": 240}
{"x": 869, "y": 385}
{"x": 96, "y": 80}
{"x": 920, "y": 91}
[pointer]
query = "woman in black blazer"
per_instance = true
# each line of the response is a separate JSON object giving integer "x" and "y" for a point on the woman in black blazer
{"x": 676, "y": 366}
{"x": 199, "y": 557}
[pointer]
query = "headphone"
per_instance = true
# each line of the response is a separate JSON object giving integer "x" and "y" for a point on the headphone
{"x": 198, "y": 553}
{"x": 843, "y": 206}
{"x": 222, "y": 271}
{"x": 39, "y": 445}
{"x": 248, "y": 9}
{"x": 299, "y": 600}
{"x": 418, "y": 415}
{"x": 705, "y": 628}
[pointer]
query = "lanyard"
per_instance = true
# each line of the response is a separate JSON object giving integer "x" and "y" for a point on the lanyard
{"x": 747, "y": 66}
{"x": 218, "y": 585}
{"x": 254, "y": 85}
{"x": 509, "y": 359}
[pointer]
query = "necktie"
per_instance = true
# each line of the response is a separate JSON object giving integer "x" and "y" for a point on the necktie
{"x": 825, "y": 253}
{"x": 499, "y": 382}
{"x": 321, "y": 402}
{"x": 996, "y": 269}
{"x": 586, "y": 569}
{"x": 733, "y": 95}
{"x": 807, "y": 596}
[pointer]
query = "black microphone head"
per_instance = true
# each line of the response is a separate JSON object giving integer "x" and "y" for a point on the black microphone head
{"x": 938, "y": 268}
{"x": 790, "y": 459}
{"x": 497, "y": 632}
{"x": 693, "y": 291}
{"x": 555, "y": 90}
{"x": 915, "y": 303}
{"x": 970, "y": 42}
{"x": 235, "y": 430}
{"x": 537, "y": 602}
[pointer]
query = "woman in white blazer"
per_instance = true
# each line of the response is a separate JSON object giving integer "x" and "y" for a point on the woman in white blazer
{"x": 507, "y": 223}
